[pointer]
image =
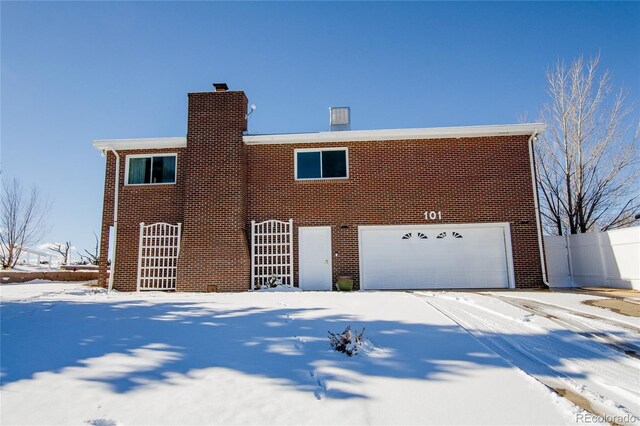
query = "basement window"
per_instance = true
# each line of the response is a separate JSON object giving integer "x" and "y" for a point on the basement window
{"x": 330, "y": 163}
{"x": 151, "y": 169}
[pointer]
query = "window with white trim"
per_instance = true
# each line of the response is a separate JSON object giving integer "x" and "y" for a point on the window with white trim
{"x": 329, "y": 163}
{"x": 151, "y": 169}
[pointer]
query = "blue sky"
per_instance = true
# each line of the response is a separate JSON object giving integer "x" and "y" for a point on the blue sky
{"x": 74, "y": 72}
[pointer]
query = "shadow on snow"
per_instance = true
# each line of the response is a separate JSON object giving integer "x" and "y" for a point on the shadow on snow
{"x": 133, "y": 344}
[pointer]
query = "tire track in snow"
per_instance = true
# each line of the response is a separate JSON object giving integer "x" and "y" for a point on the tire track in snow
{"x": 559, "y": 361}
{"x": 586, "y": 325}
{"x": 584, "y": 315}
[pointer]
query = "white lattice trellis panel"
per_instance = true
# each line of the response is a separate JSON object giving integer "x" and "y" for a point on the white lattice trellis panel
{"x": 271, "y": 253}
{"x": 158, "y": 256}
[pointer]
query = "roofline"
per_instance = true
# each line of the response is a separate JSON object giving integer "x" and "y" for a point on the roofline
{"x": 337, "y": 136}
{"x": 143, "y": 143}
{"x": 397, "y": 134}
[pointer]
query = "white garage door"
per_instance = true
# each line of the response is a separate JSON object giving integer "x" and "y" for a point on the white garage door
{"x": 435, "y": 256}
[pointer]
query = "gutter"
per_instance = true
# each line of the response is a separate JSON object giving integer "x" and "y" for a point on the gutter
{"x": 534, "y": 183}
{"x": 115, "y": 219}
{"x": 394, "y": 134}
{"x": 140, "y": 143}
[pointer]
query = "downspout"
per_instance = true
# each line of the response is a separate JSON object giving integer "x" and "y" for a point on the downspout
{"x": 115, "y": 219}
{"x": 534, "y": 183}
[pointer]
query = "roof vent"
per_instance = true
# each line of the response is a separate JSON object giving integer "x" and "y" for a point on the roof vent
{"x": 221, "y": 87}
{"x": 339, "y": 118}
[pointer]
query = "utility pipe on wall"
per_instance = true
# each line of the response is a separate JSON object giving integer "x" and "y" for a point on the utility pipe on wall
{"x": 115, "y": 219}
{"x": 534, "y": 183}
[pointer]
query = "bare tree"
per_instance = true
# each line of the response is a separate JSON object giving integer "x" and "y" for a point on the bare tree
{"x": 22, "y": 220}
{"x": 62, "y": 249}
{"x": 93, "y": 257}
{"x": 587, "y": 159}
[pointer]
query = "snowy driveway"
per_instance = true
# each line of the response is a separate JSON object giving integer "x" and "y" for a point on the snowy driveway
{"x": 72, "y": 355}
{"x": 588, "y": 354}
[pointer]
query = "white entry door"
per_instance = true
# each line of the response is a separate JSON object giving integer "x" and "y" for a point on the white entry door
{"x": 314, "y": 257}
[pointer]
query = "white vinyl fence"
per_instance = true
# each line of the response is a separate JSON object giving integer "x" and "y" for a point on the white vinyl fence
{"x": 605, "y": 259}
{"x": 558, "y": 269}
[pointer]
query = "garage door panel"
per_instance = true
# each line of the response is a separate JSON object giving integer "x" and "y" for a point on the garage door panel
{"x": 416, "y": 257}
{"x": 407, "y": 281}
{"x": 434, "y": 281}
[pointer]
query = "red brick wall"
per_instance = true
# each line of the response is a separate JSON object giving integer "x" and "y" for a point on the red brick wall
{"x": 223, "y": 184}
{"x": 140, "y": 203}
{"x": 214, "y": 245}
{"x": 209, "y": 199}
{"x": 470, "y": 180}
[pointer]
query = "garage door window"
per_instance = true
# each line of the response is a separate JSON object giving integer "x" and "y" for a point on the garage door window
{"x": 321, "y": 164}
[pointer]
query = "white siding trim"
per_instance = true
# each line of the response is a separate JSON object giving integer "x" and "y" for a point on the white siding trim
{"x": 145, "y": 143}
{"x": 337, "y": 136}
{"x": 396, "y": 134}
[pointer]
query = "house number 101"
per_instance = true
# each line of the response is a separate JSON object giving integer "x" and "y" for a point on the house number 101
{"x": 432, "y": 215}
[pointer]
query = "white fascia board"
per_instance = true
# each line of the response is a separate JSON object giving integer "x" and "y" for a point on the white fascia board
{"x": 144, "y": 143}
{"x": 397, "y": 134}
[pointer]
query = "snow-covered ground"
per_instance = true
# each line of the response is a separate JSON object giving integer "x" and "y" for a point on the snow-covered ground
{"x": 26, "y": 267}
{"x": 587, "y": 353}
{"x": 77, "y": 355}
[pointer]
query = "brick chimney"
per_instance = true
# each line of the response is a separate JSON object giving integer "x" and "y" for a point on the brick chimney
{"x": 214, "y": 253}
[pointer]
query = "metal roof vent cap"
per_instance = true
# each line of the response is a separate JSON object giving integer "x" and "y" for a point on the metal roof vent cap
{"x": 220, "y": 87}
{"x": 339, "y": 118}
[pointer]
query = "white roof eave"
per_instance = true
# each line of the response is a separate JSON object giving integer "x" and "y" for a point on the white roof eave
{"x": 397, "y": 134}
{"x": 338, "y": 136}
{"x": 143, "y": 143}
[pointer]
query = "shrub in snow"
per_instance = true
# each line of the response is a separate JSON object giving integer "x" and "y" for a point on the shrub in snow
{"x": 348, "y": 341}
{"x": 273, "y": 281}
{"x": 279, "y": 288}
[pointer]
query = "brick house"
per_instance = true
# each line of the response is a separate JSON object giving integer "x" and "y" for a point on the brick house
{"x": 225, "y": 210}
